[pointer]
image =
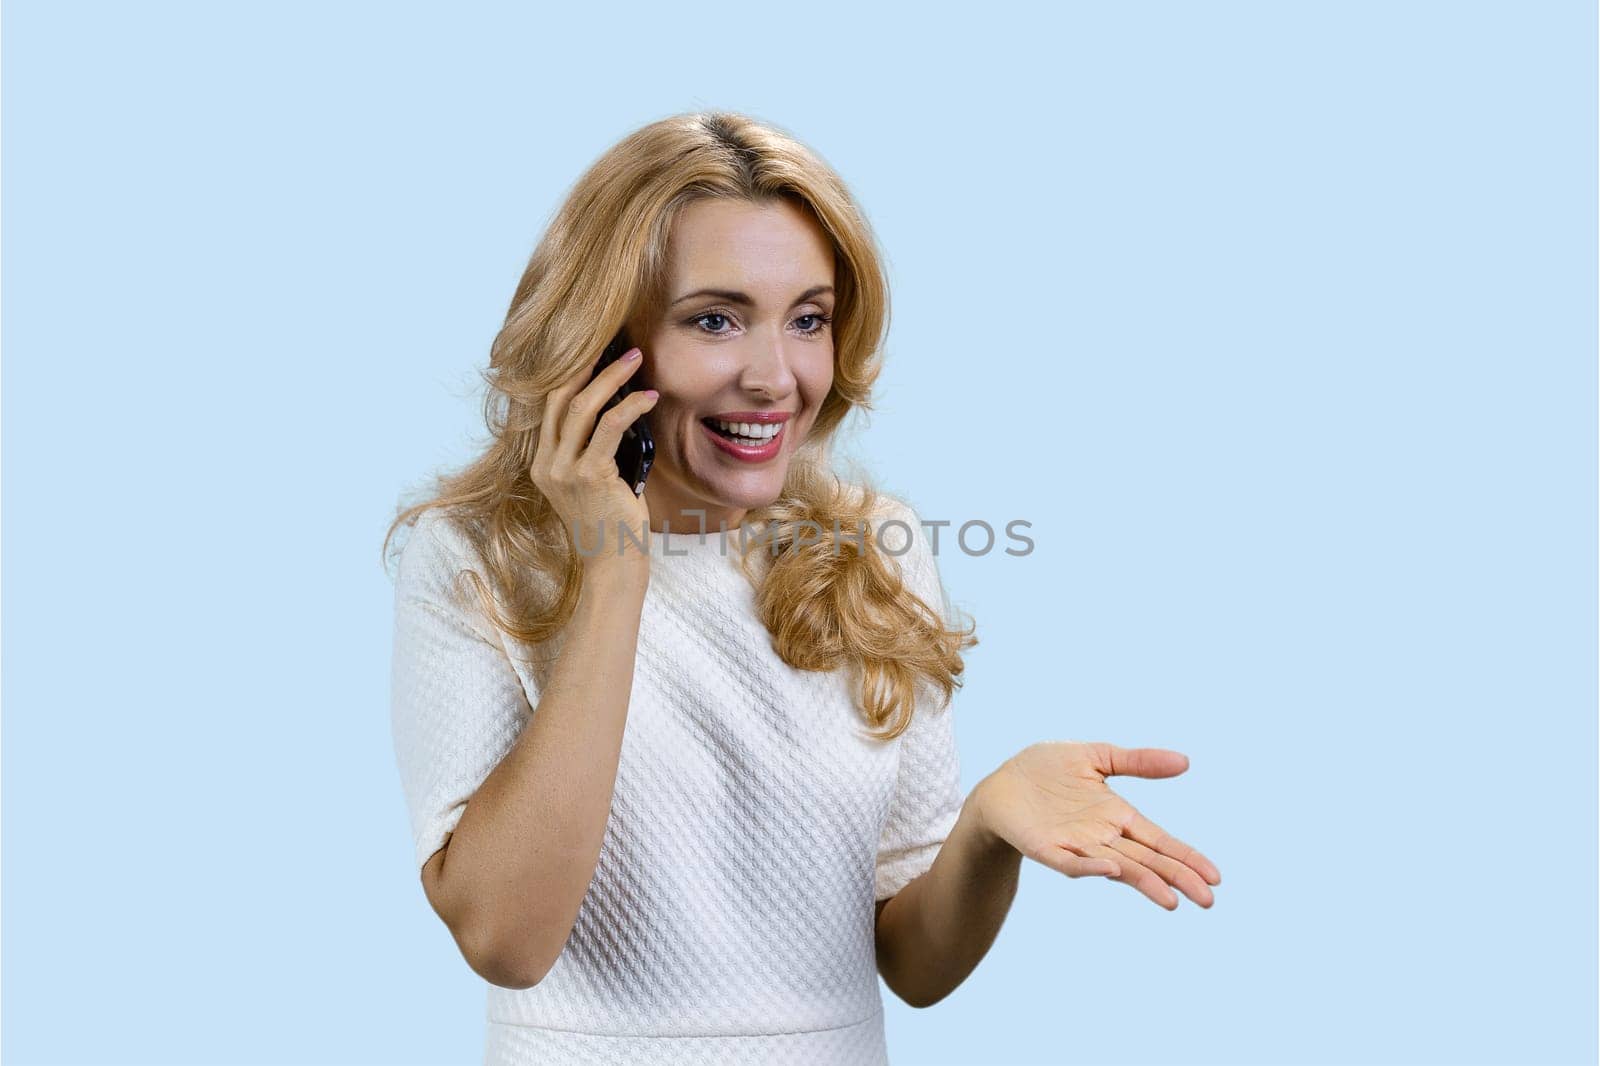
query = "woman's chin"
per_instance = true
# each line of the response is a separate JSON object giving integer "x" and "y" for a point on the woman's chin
{"x": 744, "y": 490}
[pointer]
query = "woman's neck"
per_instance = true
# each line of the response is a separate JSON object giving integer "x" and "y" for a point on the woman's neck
{"x": 696, "y": 520}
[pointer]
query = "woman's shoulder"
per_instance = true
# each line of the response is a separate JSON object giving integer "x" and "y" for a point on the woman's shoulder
{"x": 436, "y": 546}
{"x": 447, "y": 527}
{"x": 437, "y": 530}
{"x": 898, "y": 527}
{"x": 893, "y": 519}
{"x": 446, "y": 542}
{"x": 885, "y": 505}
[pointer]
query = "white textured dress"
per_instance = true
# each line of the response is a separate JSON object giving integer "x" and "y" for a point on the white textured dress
{"x": 753, "y": 823}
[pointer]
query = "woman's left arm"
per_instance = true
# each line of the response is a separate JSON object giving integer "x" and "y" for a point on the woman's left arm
{"x": 935, "y": 930}
{"x": 1049, "y": 803}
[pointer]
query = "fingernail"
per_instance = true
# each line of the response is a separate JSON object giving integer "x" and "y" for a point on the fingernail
{"x": 633, "y": 353}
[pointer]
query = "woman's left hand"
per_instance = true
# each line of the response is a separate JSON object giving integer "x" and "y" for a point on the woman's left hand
{"x": 1051, "y": 803}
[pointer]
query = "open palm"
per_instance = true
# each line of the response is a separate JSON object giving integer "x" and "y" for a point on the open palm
{"x": 1051, "y": 803}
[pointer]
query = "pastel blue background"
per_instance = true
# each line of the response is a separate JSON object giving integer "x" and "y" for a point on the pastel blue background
{"x": 1277, "y": 321}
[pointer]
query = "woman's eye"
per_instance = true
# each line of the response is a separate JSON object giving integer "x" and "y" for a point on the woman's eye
{"x": 812, "y": 323}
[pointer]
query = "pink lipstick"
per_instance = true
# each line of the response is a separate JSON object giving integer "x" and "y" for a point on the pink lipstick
{"x": 744, "y": 448}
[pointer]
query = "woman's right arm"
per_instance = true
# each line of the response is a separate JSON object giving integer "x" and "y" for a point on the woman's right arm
{"x": 511, "y": 878}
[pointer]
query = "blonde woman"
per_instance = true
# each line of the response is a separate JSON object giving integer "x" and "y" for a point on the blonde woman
{"x": 683, "y": 798}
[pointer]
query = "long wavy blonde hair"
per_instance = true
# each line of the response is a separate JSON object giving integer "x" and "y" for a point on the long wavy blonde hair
{"x": 601, "y": 268}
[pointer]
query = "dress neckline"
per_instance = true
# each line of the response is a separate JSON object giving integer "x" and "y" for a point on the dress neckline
{"x": 675, "y": 545}
{"x": 714, "y": 544}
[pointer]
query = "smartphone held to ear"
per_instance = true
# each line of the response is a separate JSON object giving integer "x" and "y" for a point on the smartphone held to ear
{"x": 637, "y": 449}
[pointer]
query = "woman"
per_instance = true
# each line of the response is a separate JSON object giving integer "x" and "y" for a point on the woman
{"x": 684, "y": 798}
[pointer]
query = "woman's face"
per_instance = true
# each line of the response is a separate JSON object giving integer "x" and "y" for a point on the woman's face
{"x": 760, "y": 345}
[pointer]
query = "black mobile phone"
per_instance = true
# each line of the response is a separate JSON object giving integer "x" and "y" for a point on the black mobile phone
{"x": 637, "y": 449}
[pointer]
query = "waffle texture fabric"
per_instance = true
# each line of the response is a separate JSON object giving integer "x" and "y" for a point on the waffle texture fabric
{"x": 753, "y": 823}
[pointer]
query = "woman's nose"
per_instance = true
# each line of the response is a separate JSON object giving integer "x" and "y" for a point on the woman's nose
{"x": 766, "y": 369}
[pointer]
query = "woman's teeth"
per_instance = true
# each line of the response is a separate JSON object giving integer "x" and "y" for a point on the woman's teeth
{"x": 747, "y": 432}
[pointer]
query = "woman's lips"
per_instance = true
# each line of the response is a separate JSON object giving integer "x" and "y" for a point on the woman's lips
{"x": 759, "y": 453}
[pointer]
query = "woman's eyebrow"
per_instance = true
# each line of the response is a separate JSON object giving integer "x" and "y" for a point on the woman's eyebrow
{"x": 744, "y": 298}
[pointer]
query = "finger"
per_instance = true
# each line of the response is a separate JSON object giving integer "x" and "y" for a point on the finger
{"x": 601, "y": 454}
{"x": 1168, "y": 869}
{"x": 555, "y": 405}
{"x": 581, "y": 411}
{"x": 1112, "y": 761}
{"x": 1153, "y": 836}
{"x": 1059, "y": 858}
{"x": 1136, "y": 875}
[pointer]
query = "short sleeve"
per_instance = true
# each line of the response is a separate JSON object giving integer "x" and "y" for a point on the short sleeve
{"x": 927, "y": 795}
{"x": 457, "y": 704}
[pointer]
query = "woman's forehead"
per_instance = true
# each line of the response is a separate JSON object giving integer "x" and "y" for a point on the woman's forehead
{"x": 769, "y": 252}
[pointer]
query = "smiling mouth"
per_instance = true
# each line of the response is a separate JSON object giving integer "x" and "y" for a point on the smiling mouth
{"x": 749, "y": 434}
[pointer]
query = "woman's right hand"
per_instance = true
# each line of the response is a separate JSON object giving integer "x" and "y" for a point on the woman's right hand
{"x": 576, "y": 466}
